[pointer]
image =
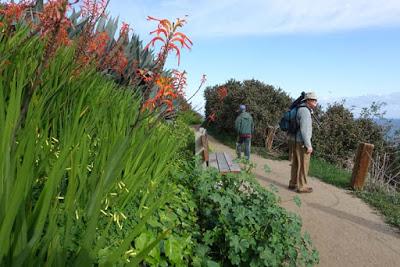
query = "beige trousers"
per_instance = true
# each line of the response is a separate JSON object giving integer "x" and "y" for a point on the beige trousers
{"x": 300, "y": 165}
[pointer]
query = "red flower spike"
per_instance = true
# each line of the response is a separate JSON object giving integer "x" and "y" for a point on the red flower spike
{"x": 212, "y": 117}
{"x": 93, "y": 8}
{"x": 168, "y": 35}
{"x": 124, "y": 29}
{"x": 12, "y": 12}
{"x": 222, "y": 92}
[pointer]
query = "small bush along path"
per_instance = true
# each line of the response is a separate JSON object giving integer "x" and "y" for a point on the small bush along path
{"x": 345, "y": 230}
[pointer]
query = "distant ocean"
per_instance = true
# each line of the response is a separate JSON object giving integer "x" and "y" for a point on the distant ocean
{"x": 395, "y": 123}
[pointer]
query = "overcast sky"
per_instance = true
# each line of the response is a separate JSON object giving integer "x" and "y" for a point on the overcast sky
{"x": 340, "y": 49}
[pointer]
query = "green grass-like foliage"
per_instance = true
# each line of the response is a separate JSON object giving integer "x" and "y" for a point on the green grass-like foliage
{"x": 242, "y": 225}
{"x": 387, "y": 203}
{"x": 74, "y": 171}
{"x": 190, "y": 117}
{"x": 329, "y": 173}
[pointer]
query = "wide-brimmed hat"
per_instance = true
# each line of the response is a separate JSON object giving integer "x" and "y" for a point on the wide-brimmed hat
{"x": 310, "y": 95}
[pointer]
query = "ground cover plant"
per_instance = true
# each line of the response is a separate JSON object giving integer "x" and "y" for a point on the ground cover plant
{"x": 241, "y": 224}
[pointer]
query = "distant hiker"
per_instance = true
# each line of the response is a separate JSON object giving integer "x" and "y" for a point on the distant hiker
{"x": 244, "y": 127}
{"x": 300, "y": 142}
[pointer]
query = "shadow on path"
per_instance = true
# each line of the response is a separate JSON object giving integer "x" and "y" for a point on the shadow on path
{"x": 274, "y": 182}
{"x": 382, "y": 228}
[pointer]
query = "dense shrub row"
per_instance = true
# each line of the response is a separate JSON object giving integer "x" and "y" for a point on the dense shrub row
{"x": 339, "y": 134}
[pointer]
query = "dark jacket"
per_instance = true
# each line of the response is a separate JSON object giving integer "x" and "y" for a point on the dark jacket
{"x": 244, "y": 124}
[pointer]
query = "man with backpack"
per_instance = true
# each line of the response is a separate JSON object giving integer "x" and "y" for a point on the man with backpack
{"x": 244, "y": 127}
{"x": 299, "y": 134}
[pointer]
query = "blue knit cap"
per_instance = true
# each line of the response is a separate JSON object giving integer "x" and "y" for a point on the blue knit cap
{"x": 242, "y": 107}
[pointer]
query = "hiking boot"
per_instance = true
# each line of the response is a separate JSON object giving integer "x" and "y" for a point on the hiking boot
{"x": 292, "y": 187}
{"x": 304, "y": 190}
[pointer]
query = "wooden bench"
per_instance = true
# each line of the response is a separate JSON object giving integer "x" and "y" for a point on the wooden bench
{"x": 222, "y": 161}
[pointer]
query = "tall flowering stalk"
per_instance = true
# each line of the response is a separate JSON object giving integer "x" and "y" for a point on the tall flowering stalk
{"x": 202, "y": 82}
{"x": 168, "y": 89}
{"x": 93, "y": 9}
{"x": 116, "y": 59}
{"x": 92, "y": 45}
{"x": 179, "y": 82}
{"x": 12, "y": 12}
{"x": 167, "y": 33}
{"x": 54, "y": 25}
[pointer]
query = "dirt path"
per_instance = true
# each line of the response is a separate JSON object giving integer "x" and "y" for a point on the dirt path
{"x": 345, "y": 230}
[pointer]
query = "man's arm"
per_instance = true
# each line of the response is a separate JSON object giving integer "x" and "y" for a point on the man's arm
{"x": 237, "y": 124}
{"x": 306, "y": 127}
{"x": 252, "y": 126}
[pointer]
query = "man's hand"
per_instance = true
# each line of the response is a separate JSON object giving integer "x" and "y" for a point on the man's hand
{"x": 309, "y": 150}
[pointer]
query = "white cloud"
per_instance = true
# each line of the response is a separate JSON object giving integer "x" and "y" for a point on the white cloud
{"x": 258, "y": 17}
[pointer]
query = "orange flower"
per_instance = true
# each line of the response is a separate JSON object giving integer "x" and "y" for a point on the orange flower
{"x": 13, "y": 12}
{"x": 93, "y": 8}
{"x": 212, "y": 117}
{"x": 98, "y": 44}
{"x": 124, "y": 29}
{"x": 145, "y": 75}
{"x": 53, "y": 17}
{"x": 168, "y": 35}
{"x": 222, "y": 92}
{"x": 165, "y": 94}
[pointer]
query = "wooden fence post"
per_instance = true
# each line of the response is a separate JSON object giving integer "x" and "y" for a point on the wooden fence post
{"x": 270, "y": 134}
{"x": 361, "y": 164}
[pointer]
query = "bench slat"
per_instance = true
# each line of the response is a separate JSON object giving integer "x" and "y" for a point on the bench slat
{"x": 219, "y": 160}
{"x": 233, "y": 166}
{"x": 222, "y": 163}
{"x": 212, "y": 162}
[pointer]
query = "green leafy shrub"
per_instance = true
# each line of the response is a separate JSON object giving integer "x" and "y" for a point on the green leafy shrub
{"x": 180, "y": 130}
{"x": 241, "y": 224}
{"x": 190, "y": 117}
{"x": 337, "y": 139}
